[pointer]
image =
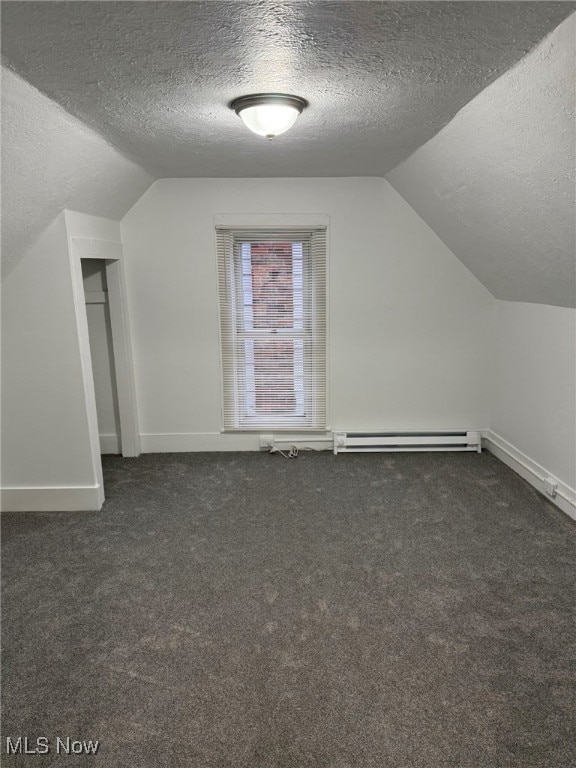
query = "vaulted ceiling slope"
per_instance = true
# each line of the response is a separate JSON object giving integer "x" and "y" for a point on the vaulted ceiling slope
{"x": 51, "y": 161}
{"x": 497, "y": 183}
{"x": 382, "y": 78}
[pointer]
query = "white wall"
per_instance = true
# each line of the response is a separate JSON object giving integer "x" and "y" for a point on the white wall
{"x": 50, "y": 451}
{"x": 410, "y": 327}
{"x": 45, "y": 436}
{"x": 534, "y": 391}
{"x": 497, "y": 183}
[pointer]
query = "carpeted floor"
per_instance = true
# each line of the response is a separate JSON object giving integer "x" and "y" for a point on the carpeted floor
{"x": 247, "y": 611}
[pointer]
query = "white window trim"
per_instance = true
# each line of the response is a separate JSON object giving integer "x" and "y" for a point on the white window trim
{"x": 236, "y": 221}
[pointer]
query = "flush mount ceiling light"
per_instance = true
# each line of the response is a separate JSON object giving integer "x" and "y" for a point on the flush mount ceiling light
{"x": 268, "y": 114}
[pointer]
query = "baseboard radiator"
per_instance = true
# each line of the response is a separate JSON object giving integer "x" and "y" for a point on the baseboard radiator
{"x": 368, "y": 442}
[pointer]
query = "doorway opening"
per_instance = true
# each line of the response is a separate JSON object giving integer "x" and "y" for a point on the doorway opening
{"x": 105, "y": 350}
{"x": 102, "y": 355}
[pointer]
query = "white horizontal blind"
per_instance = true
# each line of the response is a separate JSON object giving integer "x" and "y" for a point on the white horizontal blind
{"x": 272, "y": 289}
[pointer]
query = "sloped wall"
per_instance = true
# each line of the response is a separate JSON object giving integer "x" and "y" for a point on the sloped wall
{"x": 497, "y": 183}
{"x": 51, "y": 161}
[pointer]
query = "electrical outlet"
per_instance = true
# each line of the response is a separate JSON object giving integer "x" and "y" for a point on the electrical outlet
{"x": 550, "y": 486}
{"x": 267, "y": 441}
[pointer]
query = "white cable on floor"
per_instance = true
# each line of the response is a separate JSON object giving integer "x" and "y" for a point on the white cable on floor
{"x": 292, "y": 453}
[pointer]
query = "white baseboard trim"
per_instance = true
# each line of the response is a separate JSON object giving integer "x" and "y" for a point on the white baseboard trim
{"x": 109, "y": 444}
{"x": 530, "y": 470}
{"x": 183, "y": 442}
{"x": 64, "y": 499}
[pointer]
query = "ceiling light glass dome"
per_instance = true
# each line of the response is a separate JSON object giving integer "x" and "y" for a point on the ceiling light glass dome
{"x": 268, "y": 114}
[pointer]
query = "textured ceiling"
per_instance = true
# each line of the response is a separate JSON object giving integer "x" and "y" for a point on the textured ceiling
{"x": 497, "y": 184}
{"x": 382, "y": 78}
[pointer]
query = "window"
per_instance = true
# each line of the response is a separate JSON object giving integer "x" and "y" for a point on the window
{"x": 272, "y": 286}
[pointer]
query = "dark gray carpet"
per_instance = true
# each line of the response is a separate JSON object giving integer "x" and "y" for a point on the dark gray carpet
{"x": 247, "y": 611}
